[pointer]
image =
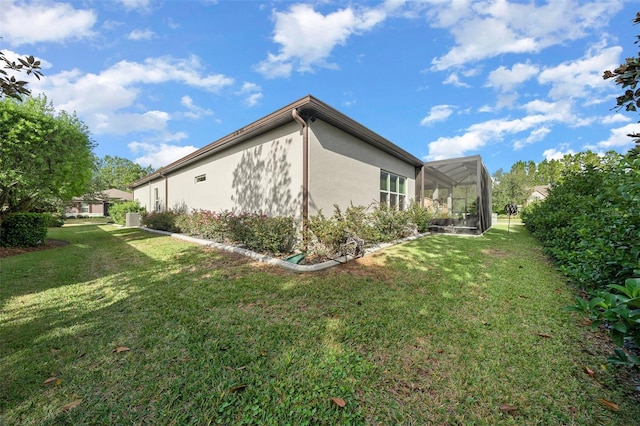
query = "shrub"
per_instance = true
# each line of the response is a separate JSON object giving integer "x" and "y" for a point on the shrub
{"x": 118, "y": 211}
{"x": 24, "y": 229}
{"x": 327, "y": 236}
{"x": 163, "y": 221}
{"x": 421, "y": 216}
{"x": 590, "y": 224}
{"x": 263, "y": 233}
{"x": 391, "y": 224}
{"x": 256, "y": 231}
{"x": 55, "y": 221}
{"x": 205, "y": 224}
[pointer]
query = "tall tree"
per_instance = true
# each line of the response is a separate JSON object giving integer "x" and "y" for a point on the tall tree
{"x": 627, "y": 76}
{"x": 117, "y": 172}
{"x": 9, "y": 85}
{"x": 43, "y": 154}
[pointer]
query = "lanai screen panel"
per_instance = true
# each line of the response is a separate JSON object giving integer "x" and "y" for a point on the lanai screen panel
{"x": 460, "y": 187}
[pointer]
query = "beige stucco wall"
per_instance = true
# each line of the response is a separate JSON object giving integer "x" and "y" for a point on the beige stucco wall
{"x": 261, "y": 174}
{"x": 345, "y": 170}
{"x": 145, "y": 194}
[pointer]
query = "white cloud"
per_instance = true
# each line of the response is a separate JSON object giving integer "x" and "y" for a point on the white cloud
{"x": 140, "y": 5}
{"x": 137, "y": 35}
{"x": 455, "y": 146}
{"x": 307, "y": 37}
{"x": 194, "y": 111}
{"x": 437, "y": 113}
{"x": 159, "y": 155}
{"x": 616, "y": 118}
{"x": 618, "y": 137}
{"x": 454, "y": 80}
{"x": 121, "y": 124}
{"x": 557, "y": 153}
{"x": 536, "y": 135}
{"x": 252, "y": 93}
{"x": 579, "y": 78}
{"x": 103, "y": 100}
{"x": 487, "y": 29}
{"x": 478, "y": 135}
{"x": 505, "y": 80}
{"x": 37, "y": 22}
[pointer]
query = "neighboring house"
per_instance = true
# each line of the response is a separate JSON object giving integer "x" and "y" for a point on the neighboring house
{"x": 98, "y": 204}
{"x": 538, "y": 193}
{"x": 295, "y": 161}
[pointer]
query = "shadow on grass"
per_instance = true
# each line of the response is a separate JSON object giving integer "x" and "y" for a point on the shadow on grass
{"x": 398, "y": 335}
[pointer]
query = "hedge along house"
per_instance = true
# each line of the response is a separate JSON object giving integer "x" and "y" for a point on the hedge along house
{"x": 296, "y": 161}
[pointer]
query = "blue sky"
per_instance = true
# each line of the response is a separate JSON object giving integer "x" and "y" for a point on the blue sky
{"x": 441, "y": 78}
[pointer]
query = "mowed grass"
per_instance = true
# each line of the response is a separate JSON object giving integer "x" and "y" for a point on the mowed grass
{"x": 441, "y": 330}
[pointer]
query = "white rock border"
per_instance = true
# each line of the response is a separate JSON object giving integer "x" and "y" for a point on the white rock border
{"x": 279, "y": 262}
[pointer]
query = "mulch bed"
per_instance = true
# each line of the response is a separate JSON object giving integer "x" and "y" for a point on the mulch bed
{"x": 14, "y": 251}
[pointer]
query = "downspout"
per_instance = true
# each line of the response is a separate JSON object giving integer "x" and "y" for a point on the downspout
{"x": 305, "y": 172}
{"x": 166, "y": 190}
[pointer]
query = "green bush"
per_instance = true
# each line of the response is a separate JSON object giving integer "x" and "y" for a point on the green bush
{"x": 590, "y": 225}
{"x": 263, "y": 233}
{"x": 118, "y": 211}
{"x": 55, "y": 221}
{"x": 205, "y": 224}
{"x": 257, "y": 232}
{"x": 327, "y": 236}
{"x": 421, "y": 216}
{"x": 163, "y": 221}
{"x": 24, "y": 229}
{"x": 391, "y": 224}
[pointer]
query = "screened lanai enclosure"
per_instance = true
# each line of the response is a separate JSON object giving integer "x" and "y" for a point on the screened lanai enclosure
{"x": 459, "y": 192}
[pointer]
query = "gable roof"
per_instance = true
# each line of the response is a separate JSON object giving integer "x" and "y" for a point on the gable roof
{"x": 542, "y": 189}
{"x": 307, "y": 107}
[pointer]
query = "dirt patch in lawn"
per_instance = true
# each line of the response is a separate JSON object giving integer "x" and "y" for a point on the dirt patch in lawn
{"x": 14, "y": 251}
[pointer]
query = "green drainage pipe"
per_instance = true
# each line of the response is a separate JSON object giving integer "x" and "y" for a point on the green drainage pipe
{"x": 296, "y": 258}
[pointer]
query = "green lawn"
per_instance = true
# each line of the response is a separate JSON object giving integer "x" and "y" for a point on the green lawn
{"x": 441, "y": 330}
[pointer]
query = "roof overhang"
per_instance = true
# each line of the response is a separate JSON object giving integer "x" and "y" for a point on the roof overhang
{"x": 308, "y": 108}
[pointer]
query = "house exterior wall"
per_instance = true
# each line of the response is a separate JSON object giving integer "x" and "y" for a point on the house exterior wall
{"x": 261, "y": 174}
{"x": 344, "y": 169}
{"x": 146, "y": 195}
{"x": 94, "y": 209}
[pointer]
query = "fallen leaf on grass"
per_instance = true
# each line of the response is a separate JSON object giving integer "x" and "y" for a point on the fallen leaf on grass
{"x": 610, "y": 405}
{"x": 573, "y": 410}
{"x": 54, "y": 350}
{"x": 71, "y": 405}
{"x": 339, "y": 402}
{"x": 237, "y": 388}
{"x": 545, "y": 335}
{"x": 588, "y": 371}
{"x": 121, "y": 349}
{"x": 50, "y": 380}
{"x": 508, "y": 408}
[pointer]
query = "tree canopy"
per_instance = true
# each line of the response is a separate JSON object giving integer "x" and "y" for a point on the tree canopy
{"x": 515, "y": 186}
{"x": 117, "y": 172}
{"x": 44, "y": 154}
{"x": 11, "y": 87}
{"x": 627, "y": 76}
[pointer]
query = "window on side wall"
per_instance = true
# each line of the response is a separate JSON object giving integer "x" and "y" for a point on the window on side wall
{"x": 156, "y": 198}
{"x": 393, "y": 190}
{"x": 200, "y": 178}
